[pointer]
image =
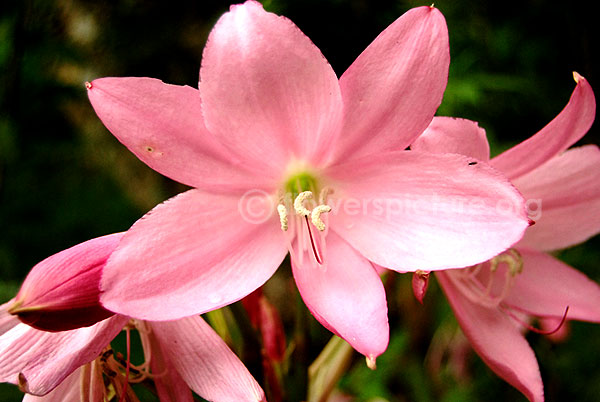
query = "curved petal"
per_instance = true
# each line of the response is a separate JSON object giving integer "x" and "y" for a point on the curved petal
{"x": 497, "y": 340}
{"x": 393, "y": 89}
{"x": 411, "y": 211}
{"x": 68, "y": 391}
{"x": 62, "y": 292}
{"x": 267, "y": 91}
{"x": 170, "y": 387}
{"x": 346, "y": 296}
{"x": 563, "y": 197}
{"x": 194, "y": 253}
{"x": 569, "y": 126}
{"x": 205, "y": 362}
{"x": 38, "y": 361}
{"x": 162, "y": 125}
{"x": 7, "y": 320}
{"x": 547, "y": 286}
{"x": 453, "y": 135}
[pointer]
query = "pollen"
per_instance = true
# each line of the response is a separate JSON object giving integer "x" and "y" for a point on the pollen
{"x": 299, "y": 203}
{"x": 315, "y": 216}
{"x": 283, "y": 217}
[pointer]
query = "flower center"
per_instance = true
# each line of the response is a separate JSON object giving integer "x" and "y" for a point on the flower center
{"x": 490, "y": 282}
{"x": 300, "y": 199}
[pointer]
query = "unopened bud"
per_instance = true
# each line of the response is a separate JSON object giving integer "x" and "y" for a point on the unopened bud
{"x": 62, "y": 292}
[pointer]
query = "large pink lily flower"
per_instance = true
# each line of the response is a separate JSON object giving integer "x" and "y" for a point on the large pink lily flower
{"x": 493, "y": 301}
{"x": 283, "y": 157}
{"x": 181, "y": 355}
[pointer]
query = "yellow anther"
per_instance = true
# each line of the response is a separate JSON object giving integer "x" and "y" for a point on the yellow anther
{"x": 511, "y": 258}
{"x": 315, "y": 216}
{"x": 299, "y": 203}
{"x": 283, "y": 217}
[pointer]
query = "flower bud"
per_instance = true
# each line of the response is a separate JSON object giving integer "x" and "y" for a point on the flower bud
{"x": 420, "y": 281}
{"x": 62, "y": 292}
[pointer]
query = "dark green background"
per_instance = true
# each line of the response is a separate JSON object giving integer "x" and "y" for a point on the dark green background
{"x": 64, "y": 179}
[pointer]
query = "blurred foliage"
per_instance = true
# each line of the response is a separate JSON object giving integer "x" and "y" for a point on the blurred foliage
{"x": 64, "y": 179}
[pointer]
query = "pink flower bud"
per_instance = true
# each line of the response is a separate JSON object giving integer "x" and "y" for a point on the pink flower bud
{"x": 420, "y": 281}
{"x": 62, "y": 292}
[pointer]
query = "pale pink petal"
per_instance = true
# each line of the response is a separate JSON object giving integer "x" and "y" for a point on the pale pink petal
{"x": 562, "y": 132}
{"x": 346, "y": 296}
{"x": 38, "y": 361}
{"x": 497, "y": 340}
{"x": 62, "y": 292}
{"x": 452, "y": 135}
{"x": 170, "y": 387}
{"x": 547, "y": 286}
{"x": 205, "y": 362}
{"x": 163, "y": 126}
{"x": 7, "y": 320}
{"x": 393, "y": 89}
{"x": 194, "y": 253}
{"x": 267, "y": 91}
{"x": 411, "y": 211}
{"x": 563, "y": 198}
{"x": 68, "y": 391}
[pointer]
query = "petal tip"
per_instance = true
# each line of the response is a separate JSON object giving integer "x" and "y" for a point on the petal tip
{"x": 371, "y": 362}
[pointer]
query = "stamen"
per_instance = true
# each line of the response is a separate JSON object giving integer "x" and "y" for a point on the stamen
{"x": 299, "y": 203}
{"x": 125, "y": 385}
{"x": 316, "y": 216}
{"x": 534, "y": 329}
{"x": 371, "y": 362}
{"x": 283, "y": 217}
{"x": 512, "y": 258}
{"x": 323, "y": 195}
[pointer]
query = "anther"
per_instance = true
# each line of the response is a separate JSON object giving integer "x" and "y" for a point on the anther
{"x": 88, "y": 85}
{"x": 283, "y": 218}
{"x": 371, "y": 362}
{"x": 315, "y": 216}
{"x": 299, "y": 203}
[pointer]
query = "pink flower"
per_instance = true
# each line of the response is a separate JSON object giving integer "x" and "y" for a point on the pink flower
{"x": 180, "y": 355}
{"x": 493, "y": 301}
{"x": 285, "y": 157}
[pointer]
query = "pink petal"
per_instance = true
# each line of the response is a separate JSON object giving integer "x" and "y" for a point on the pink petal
{"x": 7, "y": 320}
{"x": 411, "y": 211}
{"x": 38, "y": 361}
{"x": 547, "y": 286}
{"x": 205, "y": 362}
{"x": 562, "y": 132}
{"x": 497, "y": 340}
{"x": 62, "y": 292}
{"x": 346, "y": 296}
{"x": 563, "y": 197}
{"x": 194, "y": 253}
{"x": 163, "y": 126}
{"x": 393, "y": 89}
{"x": 68, "y": 391}
{"x": 267, "y": 90}
{"x": 452, "y": 135}
{"x": 170, "y": 387}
